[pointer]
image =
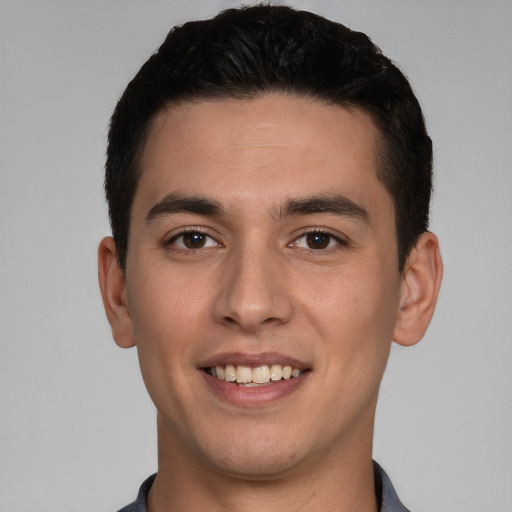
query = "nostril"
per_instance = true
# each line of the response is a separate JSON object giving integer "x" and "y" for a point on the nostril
{"x": 251, "y": 297}
{"x": 252, "y": 323}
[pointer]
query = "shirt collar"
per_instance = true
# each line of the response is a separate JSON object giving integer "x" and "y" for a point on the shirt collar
{"x": 389, "y": 501}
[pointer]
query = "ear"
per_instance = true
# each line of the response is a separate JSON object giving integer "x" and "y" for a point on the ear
{"x": 421, "y": 281}
{"x": 113, "y": 291}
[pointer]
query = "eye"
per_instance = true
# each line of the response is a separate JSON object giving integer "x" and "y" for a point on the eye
{"x": 192, "y": 240}
{"x": 317, "y": 240}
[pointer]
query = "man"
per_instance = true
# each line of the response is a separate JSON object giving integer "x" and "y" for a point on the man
{"x": 268, "y": 180}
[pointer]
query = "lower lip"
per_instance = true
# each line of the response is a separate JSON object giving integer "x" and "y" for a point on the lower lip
{"x": 257, "y": 395}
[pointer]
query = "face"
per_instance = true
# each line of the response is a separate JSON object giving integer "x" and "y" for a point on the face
{"x": 262, "y": 244}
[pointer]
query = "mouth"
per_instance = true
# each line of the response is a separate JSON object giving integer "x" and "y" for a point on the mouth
{"x": 254, "y": 376}
{"x": 254, "y": 379}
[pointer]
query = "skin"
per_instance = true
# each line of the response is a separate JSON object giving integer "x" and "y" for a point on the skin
{"x": 257, "y": 287}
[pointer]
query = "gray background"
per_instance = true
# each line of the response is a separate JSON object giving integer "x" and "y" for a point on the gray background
{"x": 76, "y": 428}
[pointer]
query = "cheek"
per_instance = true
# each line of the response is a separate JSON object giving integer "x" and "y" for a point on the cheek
{"x": 164, "y": 300}
{"x": 356, "y": 320}
{"x": 168, "y": 315}
{"x": 165, "y": 339}
{"x": 353, "y": 299}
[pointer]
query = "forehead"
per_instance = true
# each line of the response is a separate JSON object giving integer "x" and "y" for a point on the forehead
{"x": 235, "y": 148}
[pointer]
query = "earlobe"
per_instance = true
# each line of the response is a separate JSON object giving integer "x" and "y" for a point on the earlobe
{"x": 113, "y": 292}
{"x": 421, "y": 281}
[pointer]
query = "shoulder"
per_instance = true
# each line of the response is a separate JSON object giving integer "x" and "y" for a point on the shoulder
{"x": 139, "y": 505}
{"x": 390, "y": 502}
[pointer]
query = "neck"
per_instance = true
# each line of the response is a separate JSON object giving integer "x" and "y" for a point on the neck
{"x": 341, "y": 480}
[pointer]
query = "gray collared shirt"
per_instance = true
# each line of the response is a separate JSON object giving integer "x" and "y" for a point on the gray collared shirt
{"x": 385, "y": 491}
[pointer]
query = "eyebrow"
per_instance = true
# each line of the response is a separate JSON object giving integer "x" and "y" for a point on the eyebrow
{"x": 337, "y": 204}
{"x": 177, "y": 203}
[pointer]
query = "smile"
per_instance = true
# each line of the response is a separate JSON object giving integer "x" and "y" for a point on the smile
{"x": 248, "y": 376}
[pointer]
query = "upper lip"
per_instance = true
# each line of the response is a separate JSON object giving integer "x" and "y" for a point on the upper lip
{"x": 253, "y": 360}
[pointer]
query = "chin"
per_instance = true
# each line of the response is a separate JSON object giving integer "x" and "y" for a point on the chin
{"x": 257, "y": 467}
{"x": 255, "y": 459}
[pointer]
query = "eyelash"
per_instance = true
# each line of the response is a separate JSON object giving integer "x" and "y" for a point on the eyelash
{"x": 171, "y": 242}
{"x": 339, "y": 242}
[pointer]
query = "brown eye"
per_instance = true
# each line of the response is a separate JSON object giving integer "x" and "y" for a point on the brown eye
{"x": 194, "y": 240}
{"x": 318, "y": 240}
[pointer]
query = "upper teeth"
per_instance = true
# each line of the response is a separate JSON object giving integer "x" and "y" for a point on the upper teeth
{"x": 258, "y": 375}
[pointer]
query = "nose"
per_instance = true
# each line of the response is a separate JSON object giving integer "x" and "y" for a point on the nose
{"x": 254, "y": 291}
